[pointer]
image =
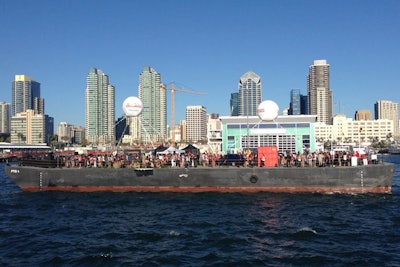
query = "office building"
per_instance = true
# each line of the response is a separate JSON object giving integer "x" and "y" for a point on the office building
{"x": 250, "y": 94}
{"x": 100, "y": 108}
{"x": 385, "y": 109}
{"x": 363, "y": 115}
{"x": 234, "y": 104}
{"x": 25, "y": 93}
{"x": 5, "y": 116}
{"x": 319, "y": 92}
{"x": 196, "y": 123}
{"x": 153, "y": 120}
{"x": 298, "y": 103}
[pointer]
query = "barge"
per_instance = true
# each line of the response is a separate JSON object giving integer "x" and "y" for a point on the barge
{"x": 373, "y": 178}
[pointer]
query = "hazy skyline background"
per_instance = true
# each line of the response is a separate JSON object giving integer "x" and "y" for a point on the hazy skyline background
{"x": 202, "y": 45}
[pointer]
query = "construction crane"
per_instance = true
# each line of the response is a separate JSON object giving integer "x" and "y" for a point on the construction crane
{"x": 173, "y": 89}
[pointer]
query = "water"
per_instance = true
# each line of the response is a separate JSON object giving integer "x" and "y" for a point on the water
{"x": 203, "y": 229}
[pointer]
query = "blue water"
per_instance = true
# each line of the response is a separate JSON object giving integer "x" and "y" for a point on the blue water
{"x": 203, "y": 229}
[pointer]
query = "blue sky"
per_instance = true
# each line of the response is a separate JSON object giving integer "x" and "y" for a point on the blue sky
{"x": 203, "y": 46}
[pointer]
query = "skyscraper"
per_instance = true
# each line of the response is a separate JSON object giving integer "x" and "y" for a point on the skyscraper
{"x": 250, "y": 94}
{"x": 153, "y": 126}
{"x": 100, "y": 108}
{"x": 385, "y": 109}
{"x": 25, "y": 92}
{"x": 298, "y": 103}
{"x": 196, "y": 123}
{"x": 5, "y": 117}
{"x": 319, "y": 92}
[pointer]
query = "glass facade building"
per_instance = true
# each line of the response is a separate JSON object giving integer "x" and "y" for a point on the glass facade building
{"x": 250, "y": 94}
{"x": 25, "y": 92}
{"x": 153, "y": 120}
{"x": 100, "y": 108}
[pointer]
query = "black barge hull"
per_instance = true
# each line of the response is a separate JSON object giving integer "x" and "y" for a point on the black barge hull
{"x": 375, "y": 178}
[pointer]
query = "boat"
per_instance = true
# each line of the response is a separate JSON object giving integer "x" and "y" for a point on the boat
{"x": 372, "y": 178}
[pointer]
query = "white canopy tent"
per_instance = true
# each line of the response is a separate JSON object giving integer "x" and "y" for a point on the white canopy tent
{"x": 172, "y": 150}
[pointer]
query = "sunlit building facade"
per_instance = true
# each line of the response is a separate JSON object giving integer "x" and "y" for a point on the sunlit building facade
{"x": 100, "y": 108}
{"x": 319, "y": 92}
{"x": 25, "y": 91}
{"x": 250, "y": 94}
{"x": 153, "y": 120}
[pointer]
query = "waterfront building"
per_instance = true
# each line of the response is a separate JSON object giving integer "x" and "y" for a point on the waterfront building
{"x": 25, "y": 93}
{"x": 196, "y": 123}
{"x": 234, "y": 104}
{"x": 5, "y": 116}
{"x": 288, "y": 133}
{"x": 153, "y": 120}
{"x": 385, "y": 109}
{"x": 28, "y": 128}
{"x": 347, "y": 130}
{"x": 100, "y": 108}
{"x": 298, "y": 103}
{"x": 363, "y": 115}
{"x": 319, "y": 92}
{"x": 250, "y": 94}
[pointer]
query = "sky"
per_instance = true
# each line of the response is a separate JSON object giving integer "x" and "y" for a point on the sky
{"x": 203, "y": 46}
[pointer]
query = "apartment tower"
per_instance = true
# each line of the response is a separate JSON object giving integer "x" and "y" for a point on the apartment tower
{"x": 385, "y": 109}
{"x": 100, "y": 108}
{"x": 319, "y": 92}
{"x": 25, "y": 95}
{"x": 250, "y": 94}
{"x": 153, "y": 120}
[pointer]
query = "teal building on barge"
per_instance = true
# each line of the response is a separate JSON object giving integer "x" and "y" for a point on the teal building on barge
{"x": 292, "y": 133}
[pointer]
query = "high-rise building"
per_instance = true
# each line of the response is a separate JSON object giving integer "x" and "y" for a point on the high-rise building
{"x": 153, "y": 120}
{"x": 298, "y": 103}
{"x": 234, "y": 104}
{"x": 25, "y": 92}
{"x": 196, "y": 123}
{"x": 38, "y": 105}
{"x": 5, "y": 116}
{"x": 363, "y": 115}
{"x": 100, "y": 108}
{"x": 319, "y": 92}
{"x": 250, "y": 94}
{"x": 48, "y": 128}
{"x": 385, "y": 109}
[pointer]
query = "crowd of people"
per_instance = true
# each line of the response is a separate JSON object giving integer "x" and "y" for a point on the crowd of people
{"x": 206, "y": 159}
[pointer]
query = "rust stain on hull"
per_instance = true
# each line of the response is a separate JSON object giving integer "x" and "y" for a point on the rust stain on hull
{"x": 201, "y": 189}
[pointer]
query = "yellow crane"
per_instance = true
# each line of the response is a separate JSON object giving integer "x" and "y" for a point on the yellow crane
{"x": 173, "y": 89}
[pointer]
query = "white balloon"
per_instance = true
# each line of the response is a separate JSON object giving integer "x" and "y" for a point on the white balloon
{"x": 132, "y": 106}
{"x": 268, "y": 110}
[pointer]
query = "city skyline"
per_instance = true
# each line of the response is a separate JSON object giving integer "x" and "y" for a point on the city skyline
{"x": 206, "y": 53}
